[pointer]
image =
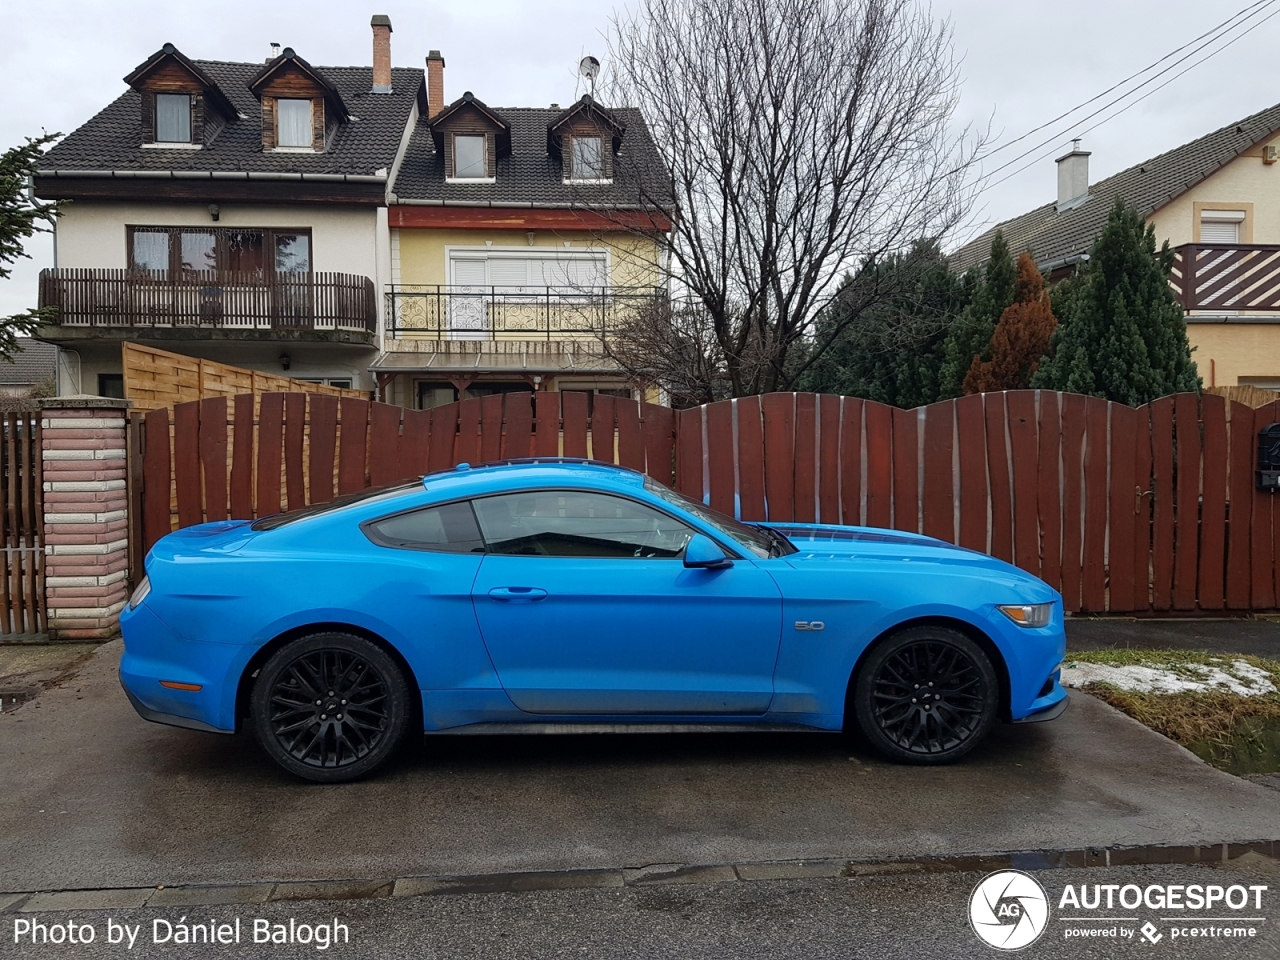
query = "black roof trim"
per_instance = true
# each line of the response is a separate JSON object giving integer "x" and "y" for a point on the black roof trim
{"x": 213, "y": 93}
{"x": 289, "y": 58}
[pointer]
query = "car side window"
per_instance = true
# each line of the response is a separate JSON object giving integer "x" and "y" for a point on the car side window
{"x": 575, "y": 523}
{"x": 449, "y": 528}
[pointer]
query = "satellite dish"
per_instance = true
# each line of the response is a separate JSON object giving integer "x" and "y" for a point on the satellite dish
{"x": 589, "y": 67}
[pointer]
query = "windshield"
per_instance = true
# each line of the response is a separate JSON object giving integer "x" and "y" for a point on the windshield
{"x": 761, "y": 541}
{"x": 316, "y": 509}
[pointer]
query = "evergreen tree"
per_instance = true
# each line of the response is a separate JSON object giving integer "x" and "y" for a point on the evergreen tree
{"x": 1122, "y": 335}
{"x": 971, "y": 337}
{"x": 21, "y": 217}
{"x": 1021, "y": 338}
{"x": 893, "y": 352}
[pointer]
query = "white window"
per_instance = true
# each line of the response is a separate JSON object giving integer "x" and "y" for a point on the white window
{"x": 173, "y": 118}
{"x": 468, "y": 158}
{"x": 537, "y": 273}
{"x": 1220, "y": 226}
{"x": 293, "y": 123}
{"x": 588, "y": 158}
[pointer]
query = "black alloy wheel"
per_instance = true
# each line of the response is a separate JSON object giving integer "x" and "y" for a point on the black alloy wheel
{"x": 926, "y": 695}
{"x": 330, "y": 707}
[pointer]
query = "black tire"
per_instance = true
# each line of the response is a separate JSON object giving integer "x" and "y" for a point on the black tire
{"x": 330, "y": 707}
{"x": 947, "y": 721}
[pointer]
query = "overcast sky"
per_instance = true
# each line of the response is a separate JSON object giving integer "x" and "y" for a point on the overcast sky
{"x": 1024, "y": 62}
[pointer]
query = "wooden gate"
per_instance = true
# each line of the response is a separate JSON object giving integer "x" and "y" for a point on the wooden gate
{"x": 22, "y": 606}
{"x": 1147, "y": 510}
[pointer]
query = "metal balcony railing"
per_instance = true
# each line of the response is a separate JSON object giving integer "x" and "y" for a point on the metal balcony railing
{"x": 1238, "y": 277}
{"x": 130, "y": 298}
{"x": 512, "y": 313}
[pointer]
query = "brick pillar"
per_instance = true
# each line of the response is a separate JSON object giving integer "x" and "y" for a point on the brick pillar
{"x": 85, "y": 516}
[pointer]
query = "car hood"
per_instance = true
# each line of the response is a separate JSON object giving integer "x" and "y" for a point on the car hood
{"x": 818, "y": 542}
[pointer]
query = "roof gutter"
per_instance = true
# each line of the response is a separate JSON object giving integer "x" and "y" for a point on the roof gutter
{"x": 1058, "y": 264}
{"x": 212, "y": 175}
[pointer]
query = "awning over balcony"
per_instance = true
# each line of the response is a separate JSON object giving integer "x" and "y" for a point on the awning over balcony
{"x": 470, "y": 357}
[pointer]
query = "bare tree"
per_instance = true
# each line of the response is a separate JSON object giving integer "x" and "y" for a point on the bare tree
{"x": 804, "y": 140}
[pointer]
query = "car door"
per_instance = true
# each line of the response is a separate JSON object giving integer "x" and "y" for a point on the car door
{"x": 586, "y": 608}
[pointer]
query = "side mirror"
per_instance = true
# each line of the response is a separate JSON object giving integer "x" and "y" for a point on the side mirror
{"x": 703, "y": 554}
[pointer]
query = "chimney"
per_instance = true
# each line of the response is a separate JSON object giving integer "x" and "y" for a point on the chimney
{"x": 1073, "y": 177}
{"x": 435, "y": 83}
{"x": 381, "y": 24}
{"x": 275, "y": 51}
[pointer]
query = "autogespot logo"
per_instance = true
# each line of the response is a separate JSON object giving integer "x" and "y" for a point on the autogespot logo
{"x": 1008, "y": 910}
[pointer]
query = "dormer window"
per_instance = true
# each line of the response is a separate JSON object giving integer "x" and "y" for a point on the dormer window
{"x": 469, "y": 158}
{"x": 173, "y": 118}
{"x": 588, "y": 159}
{"x": 293, "y": 119}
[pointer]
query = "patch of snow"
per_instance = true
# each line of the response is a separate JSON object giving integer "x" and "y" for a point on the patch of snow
{"x": 1236, "y": 677}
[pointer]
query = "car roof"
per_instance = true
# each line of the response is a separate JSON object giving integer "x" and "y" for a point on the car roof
{"x": 465, "y": 479}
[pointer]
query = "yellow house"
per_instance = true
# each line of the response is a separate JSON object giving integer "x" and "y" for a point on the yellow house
{"x": 1216, "y": 200}
{"x": 520, "y": 237}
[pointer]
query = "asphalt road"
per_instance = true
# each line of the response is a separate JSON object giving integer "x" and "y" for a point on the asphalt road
{"x": 916, "y": 917}
{"x": 93, "y": 796}
{"x": 1261, "y": 638}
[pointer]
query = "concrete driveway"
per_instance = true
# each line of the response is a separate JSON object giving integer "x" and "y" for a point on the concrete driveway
{"x": 93, "y": 796}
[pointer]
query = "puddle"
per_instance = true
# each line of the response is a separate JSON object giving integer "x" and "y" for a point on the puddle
{"x": 1253, "y": 748}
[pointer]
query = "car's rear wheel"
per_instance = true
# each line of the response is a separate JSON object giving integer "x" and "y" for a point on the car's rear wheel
{"x": 330, "y": 707}
{"x": 926, "y": 695}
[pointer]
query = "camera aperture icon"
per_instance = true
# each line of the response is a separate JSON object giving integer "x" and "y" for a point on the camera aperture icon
{"x": 1008, "y": 910}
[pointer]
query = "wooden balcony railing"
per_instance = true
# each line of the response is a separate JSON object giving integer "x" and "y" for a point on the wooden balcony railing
{"x": 507, "y": 313}
{"x": 128, "y": 298}
{"x": 1240, "y": 277}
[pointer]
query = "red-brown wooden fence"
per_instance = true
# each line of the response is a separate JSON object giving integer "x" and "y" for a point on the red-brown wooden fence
{"x": 1141, "y": 510}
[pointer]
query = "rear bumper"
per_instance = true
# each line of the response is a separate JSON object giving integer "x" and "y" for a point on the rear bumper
{"x": 1054, "y": 710}
{"x": 155, "y": 716}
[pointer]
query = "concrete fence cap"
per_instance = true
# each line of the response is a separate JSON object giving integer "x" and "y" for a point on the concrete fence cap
{"x": 85, "y": 401}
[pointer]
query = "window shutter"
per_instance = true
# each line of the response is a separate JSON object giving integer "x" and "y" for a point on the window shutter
{"x": 1219, "y": 231}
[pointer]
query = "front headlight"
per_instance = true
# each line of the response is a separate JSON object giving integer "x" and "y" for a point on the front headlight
{"x": 140, "y": 593}
{"x": 1028, "y": 614}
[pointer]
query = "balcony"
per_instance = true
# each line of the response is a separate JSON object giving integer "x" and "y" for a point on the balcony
{"x": 122, "y": 303}
{"x": 1239, "y": 278}
{"x": 510, "y": 314}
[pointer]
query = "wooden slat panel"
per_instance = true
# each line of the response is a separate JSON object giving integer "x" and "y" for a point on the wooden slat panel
{"x": 573, "y": 404}
{"x": 720, "y": 455}
{"x": 1162, "y": 493}
{"x": 939, "y": 474}
{"x": 270, "y": 444}
{"x": 1121, "y": 588}
{"x": 1094, "y": 586}
{"x": 384, "y": 444}
{"x": 971, "y": 429}
{"x": 546, "y": 439}
{"x": 851, "y": 461}
{"x": 213, "y": 456}
{"x": 750, "y": 455}
{"x": 806, "y": 456}
{"x": 1210, "y": 590}
{"x": 630, "y": 438}
{"x": 658, "y": 425}
{"x": 1142, "y": 510}
{"x": 998, "y": 475}
{"x": 242, "y": 458}
{"x": 689, "y": 477}
{"x": 1186, "y": 550}
{"x": 444, "y": 437}
{"x": 906, "y": 470}
{"x": 186, "y": 462}
{"x": 879, "y": 419}
{"x": 1242, "y": 455}
{"x": 828, "y": 459}
{"x": 322, "y": 443}
{"x": 491, "y": 428}
{"x": 778, "y": 412}
{"x": 603, "y": 446}
{"x": 415, "y": 444}
{"x": 467, "y": 446}
{"x": 518, "y": 441}
{"x": 1072, "y": 499}
{"x": 295, "y": 421}
{"x": 1048, "y": 493}
{"x": 156, "y": 479}
{"x": 1025, "y": 454}
{"x": 1261, "y": 564}
{"x": 353, "y": 446}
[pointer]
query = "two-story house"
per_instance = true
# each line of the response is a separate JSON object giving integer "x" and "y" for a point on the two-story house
{"x": 1216, "y": 200}
{"x": 520, "y": 237}
{"x": 230, "y": 211}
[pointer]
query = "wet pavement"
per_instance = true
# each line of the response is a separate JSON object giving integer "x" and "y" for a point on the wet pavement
{"x": 93, "y": 796}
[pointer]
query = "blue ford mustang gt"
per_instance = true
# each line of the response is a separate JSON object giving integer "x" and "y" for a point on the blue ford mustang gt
{"x": 531, "y": 594}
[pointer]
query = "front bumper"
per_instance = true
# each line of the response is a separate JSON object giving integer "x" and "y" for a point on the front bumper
{"x": 1055, "y": 709}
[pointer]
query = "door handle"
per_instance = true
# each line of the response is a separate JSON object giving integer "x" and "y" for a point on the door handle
{"x": 518, "y": 594}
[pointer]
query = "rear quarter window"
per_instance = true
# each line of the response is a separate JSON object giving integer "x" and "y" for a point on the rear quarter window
{"x": 448, "y": 528}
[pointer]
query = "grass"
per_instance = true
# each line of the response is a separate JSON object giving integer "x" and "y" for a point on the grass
{"x": 1234, "y": 733}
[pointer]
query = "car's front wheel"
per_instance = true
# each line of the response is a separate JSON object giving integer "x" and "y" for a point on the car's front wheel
{"x": 926, "y": 695}
{"x": 330, "y": 707}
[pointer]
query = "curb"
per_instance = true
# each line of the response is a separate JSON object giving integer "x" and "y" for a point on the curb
{"x": 661, "y": 874}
